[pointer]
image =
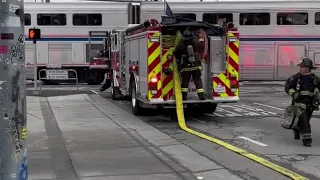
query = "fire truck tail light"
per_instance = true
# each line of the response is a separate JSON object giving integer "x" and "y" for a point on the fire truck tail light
{"x": 97, "y": 62}
{"x": 154, "y": 80}
{"x": 234, "y": 82}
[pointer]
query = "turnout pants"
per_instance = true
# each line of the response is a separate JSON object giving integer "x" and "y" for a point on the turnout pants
{"x": 185, "y": 79}
{"x": 304, "y": 128}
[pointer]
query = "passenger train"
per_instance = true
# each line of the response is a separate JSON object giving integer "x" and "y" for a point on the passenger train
{"x": 273, "y": 34}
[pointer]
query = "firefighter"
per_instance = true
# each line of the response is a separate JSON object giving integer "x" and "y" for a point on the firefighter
{"x": 189, "y": 63}
{"x": 107, "y": 81}
{"x": 301, "y": 86}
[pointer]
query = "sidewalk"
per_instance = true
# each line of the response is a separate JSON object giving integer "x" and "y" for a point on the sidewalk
{"x": 71, "y": 137}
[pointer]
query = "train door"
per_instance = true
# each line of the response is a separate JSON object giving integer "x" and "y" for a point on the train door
{"x": 42, "y": 53}
{"x": 78, "y": 53}
{"x": 287, "y": 58}
{"x": 60, "y": 53}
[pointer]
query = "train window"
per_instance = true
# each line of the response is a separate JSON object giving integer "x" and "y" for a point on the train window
{"x": 185, "y": 15}
{"x": 298, "y": 18}
{"x": 217, "y": 18}
{"x": 254, "y": 19}
{"x": 317, "y": 18}
{"x": 87, "y": 19}
{"x": 51, "y": 19}
{"x": 27, "y": 19}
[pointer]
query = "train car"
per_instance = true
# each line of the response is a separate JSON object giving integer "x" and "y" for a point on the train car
{"x": 65, "y": 38}
{"x": 274, "y": 34}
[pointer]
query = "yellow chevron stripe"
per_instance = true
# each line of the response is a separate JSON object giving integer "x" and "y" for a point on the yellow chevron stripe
{"x": 236, "y": 43}
{"x": 151, "y": 58}
{"x": 168, "y": 87}
{"x": 233, "y": 55}
{"x": 221, "y": 94}
{"x": 155, "y": 71}
{"x": 224, "y": 79}
{"x": 154, "y": 55}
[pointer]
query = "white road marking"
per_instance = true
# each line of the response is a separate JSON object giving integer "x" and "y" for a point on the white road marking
{"x": 269, "y": 106}
{"x": 255, "y": 109}
{"x": 280, "y": 93}
{"x": 253, "y": 141}
{"x": 94, "y": 91}
{"x": 232, "y": 114}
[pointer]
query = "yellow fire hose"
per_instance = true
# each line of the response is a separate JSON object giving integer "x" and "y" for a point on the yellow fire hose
{"x": 242, "y": 152}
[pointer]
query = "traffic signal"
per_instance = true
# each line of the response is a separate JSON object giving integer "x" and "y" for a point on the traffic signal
{"x": 34, "y": 33}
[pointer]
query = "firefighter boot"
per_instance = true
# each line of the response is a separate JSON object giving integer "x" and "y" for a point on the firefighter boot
{"x": 200, "y": 92}
{"x": 296, "y": 134}
{"x": 201, "y": 96}
{"x": 184, "y": 95}
{"x": 307, "y": 140}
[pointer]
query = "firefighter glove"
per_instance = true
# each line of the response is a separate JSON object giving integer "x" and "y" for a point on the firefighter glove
{"x": 295, "y": 95}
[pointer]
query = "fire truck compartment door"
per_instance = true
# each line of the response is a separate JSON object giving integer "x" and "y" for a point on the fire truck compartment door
{"x": 217, "y": 54}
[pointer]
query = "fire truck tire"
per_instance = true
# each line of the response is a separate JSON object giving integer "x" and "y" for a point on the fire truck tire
{"x": 210, "y": 108}
{"x": 135, "y": 103}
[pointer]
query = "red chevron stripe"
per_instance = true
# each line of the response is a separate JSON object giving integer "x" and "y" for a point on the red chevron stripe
{"x": 168, "y": 95}
{"x": 234, "y": 48}
{"x": 167, "y": 80}
{"x": 228, "y": 91}
{"x": 231, "y": 61}
{"x": 154, "y": 64}
{"x": 152, "y": 48}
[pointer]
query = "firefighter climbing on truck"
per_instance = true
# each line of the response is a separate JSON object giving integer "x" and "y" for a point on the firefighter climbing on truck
{"x": 189, "y": 63}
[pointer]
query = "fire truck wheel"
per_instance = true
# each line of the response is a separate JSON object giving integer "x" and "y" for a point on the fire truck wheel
{"x": 210, "y": 108}
{"x": 135, "y": 104}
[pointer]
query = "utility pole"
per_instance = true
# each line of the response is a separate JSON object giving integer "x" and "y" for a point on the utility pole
{"x": 13, "y": 117}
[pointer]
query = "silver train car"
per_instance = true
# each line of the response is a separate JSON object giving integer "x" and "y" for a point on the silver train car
{"x": 65, "y": 34}
{"x": 273, "y": 34}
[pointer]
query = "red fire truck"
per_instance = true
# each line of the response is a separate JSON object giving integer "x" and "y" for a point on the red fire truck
{"x": 141, "y": 55}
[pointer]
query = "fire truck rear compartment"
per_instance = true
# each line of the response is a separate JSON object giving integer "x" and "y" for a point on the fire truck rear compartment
{"x": 146, "y": 55}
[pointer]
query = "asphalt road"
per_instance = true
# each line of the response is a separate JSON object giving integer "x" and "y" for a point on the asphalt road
{"x": 252, "y": 124}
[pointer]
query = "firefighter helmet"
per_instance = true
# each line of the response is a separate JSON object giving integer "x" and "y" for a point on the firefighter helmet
{"x": 305, "y": 61}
